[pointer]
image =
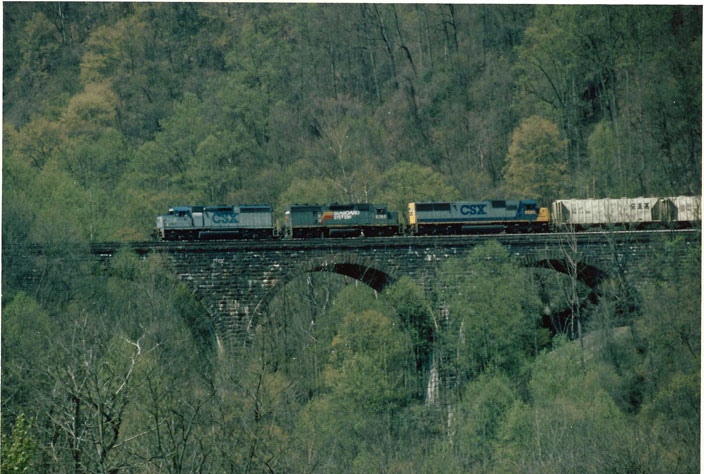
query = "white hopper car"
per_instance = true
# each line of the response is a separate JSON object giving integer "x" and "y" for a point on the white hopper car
{"x": 678, "y": 211}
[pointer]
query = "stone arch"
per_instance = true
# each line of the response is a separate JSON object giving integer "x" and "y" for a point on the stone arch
{"x": 586, "y": 272}
{"x": 366, "y": 270}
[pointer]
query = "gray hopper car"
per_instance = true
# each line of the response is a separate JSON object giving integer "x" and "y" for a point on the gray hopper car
{"x": 679, "y": 211}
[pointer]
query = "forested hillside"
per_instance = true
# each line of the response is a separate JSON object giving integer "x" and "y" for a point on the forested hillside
{"x": 114, "y": 111}
{"x": 116, "y": 370}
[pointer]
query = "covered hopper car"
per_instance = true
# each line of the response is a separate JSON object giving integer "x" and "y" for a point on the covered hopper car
{"x": 583, "y": 214}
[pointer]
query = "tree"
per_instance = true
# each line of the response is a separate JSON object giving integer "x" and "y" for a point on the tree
{"x": 419, "y": 320}
{"x": 535, "y": 162}
{"x": 493, "y": 314}
{"x": 17, "y": 206}
{"x": 407, "y": 182}
{"x": 19, "y": 449}
{"x": 55, "y": 189}
{"x": 311, "y": 190}
{"x": 347, "y": 147}
{"x": 366, "y": 387}
{"x": 549, "y": 72}
{"x": 34, "y": 143}
{"x": 570, "y": 422}
{"x": 478, "y": 417}
{"x": 607, "y": 177}
{"x": 26, "y": 340}
{"x": 668, "y": 334}
{"x": 579, "y": 66}
{"x": 40, "y": 50}
{"x": 369, "y": 355}
{"x": 93, "y": 386}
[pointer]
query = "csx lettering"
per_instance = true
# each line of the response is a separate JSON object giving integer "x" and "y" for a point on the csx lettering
{"x": 226, "y": 218}
{"x": 473, "y": 209}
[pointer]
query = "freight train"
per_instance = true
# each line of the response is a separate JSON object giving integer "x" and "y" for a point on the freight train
{"x": 303, "y": 221}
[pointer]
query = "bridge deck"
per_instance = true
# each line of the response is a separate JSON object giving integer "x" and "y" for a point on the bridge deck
{"x": 399, "y": 241}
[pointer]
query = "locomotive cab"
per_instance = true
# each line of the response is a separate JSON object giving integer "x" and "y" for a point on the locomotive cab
{"x": 169, "y": 226}
{"x": 542, "y": 214}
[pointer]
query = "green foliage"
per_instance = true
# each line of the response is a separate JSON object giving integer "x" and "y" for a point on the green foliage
{"x": 18, "y": 210}
{"x": 19, "y": 449}
{"x": 674, "y": 414}
{"x": 113, "y": 112}
{"x": 484, "y": 406}
{"x": 536, "y": 163}
{"x": 24, "y": 319}
{"x": 579, "y": 66}
{"x": 563, "y": 427}
{"x": 36, "y": 83}
{"x": 669, "y": 335}
{"x": 120, "y": 366}
{"x": 91, "y": 111}
{"x": 26, "y": 334}
{"x": 416, "y": 314}
{"x": 494, "y": 313}
{"x": 407, "y": 182}
{"x": 601, "y": 145}
{"x": 367, "y": 364}
{"x": 148, "y": 106}
{"x": 311, "y": 190}
{"x": 55, "y": 190}
{"x": 366, "y": 381}
{"x": 670, "y": 326}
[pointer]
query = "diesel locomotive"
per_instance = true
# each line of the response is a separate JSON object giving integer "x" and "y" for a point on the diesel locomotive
{"x": 426, "y": 218}
{"x": 303, "y": 221}
{"x": 216, "y": 222}
{"x": 339, "y": 220}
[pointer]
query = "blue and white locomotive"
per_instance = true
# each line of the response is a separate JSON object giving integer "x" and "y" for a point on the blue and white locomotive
{"x": 463, "y": 217}
{"x": 216, "y": 222}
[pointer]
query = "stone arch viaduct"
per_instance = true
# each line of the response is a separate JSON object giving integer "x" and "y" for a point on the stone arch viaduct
{"x": 235, "y": 280}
